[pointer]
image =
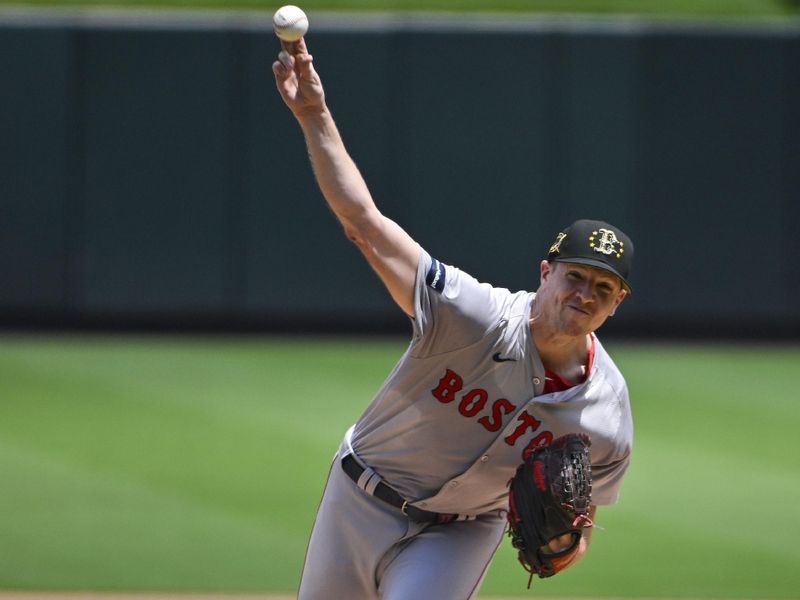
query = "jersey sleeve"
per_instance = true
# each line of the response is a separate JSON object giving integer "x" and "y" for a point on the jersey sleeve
{"x": 452, "y": 309}
{"x": 609, "y": 470}
{"x": 607, "y": 480}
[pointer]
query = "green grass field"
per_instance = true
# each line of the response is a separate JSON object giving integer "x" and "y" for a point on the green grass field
{"x": 196, "y": 464}
{"x": 736, "y": 8}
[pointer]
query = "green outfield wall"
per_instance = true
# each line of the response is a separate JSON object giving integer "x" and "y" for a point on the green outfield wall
{"x": 151, "y": 174}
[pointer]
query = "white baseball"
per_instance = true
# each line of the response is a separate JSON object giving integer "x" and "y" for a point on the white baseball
{"x": 290, "y": 23}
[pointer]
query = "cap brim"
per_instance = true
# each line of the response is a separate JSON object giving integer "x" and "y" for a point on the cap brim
{"x": 591, "y": 262}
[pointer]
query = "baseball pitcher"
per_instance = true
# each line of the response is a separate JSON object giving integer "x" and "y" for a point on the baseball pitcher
{"x": 505, "y": 414}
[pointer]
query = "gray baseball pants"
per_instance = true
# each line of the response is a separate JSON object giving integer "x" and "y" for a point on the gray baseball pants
{"x": 363, "y": 549}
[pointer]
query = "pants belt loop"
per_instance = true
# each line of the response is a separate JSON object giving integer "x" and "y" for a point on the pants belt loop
{"x": 368, "y": 481}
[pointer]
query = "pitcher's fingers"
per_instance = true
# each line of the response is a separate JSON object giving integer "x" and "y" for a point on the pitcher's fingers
{"x": 286, "y": 59}
{"x": 279, "y": 70}
{"x": 305, "y": 63}
{"x": 305, "y": 68}
{"x": 295, "y": 48}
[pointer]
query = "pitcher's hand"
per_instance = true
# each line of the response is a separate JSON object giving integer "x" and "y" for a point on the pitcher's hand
{"x": 298, "y": 83}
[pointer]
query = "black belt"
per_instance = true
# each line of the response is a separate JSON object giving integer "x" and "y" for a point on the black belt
{"x": 384, "y": 492}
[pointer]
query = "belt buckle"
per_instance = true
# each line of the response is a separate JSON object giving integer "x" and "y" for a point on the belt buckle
{"x": 404, "y": 508}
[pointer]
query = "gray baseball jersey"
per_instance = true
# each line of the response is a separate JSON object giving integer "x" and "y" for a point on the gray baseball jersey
{"x": 447, "y": 430}
{"x": 449, "y": 426}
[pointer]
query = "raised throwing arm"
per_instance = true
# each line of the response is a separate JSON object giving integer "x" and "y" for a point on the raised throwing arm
{"x": 391, "y": 252}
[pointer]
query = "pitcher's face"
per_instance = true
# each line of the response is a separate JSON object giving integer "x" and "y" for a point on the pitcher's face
{"x": 575, "y": 298}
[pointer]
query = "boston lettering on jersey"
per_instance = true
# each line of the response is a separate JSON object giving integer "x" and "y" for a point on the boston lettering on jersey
{"x": 472, "y": 402}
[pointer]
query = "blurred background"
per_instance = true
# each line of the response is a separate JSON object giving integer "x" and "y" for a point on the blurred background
{"x": 185, "y": 333}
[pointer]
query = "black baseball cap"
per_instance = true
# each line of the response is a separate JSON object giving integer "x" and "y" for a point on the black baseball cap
{"x": 597, "y": 244}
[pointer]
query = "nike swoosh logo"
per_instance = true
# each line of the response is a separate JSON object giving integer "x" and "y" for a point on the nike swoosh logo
{"x": 497, "y": 358}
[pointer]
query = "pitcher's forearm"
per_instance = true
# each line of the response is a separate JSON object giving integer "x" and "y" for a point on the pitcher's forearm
{"x": 391, "y": 252}
{"x": 337, "y": 175}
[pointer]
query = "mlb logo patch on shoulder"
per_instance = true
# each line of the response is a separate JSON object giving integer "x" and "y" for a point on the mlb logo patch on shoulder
{"x": 436, "y": 276}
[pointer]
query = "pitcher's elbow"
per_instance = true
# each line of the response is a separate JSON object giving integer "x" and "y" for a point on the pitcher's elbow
{"x": 362, "y": 233}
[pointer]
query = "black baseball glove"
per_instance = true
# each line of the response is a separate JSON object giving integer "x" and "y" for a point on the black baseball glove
{"x": 550, "y": 496}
